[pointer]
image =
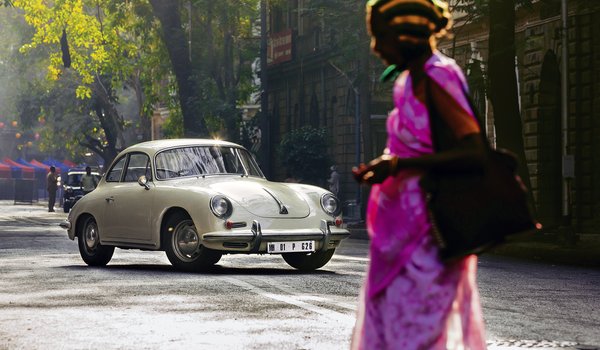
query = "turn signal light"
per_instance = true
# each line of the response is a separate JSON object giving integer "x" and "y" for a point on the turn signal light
{"x": 230, "y": 224}
{"x": 338, "y": 222}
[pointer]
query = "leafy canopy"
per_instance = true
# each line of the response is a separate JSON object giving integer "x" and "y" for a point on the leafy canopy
{"x": 97, "y": 32}
{"x": 304, "y": 153}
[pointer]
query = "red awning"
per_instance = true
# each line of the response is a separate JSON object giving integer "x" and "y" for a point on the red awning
{"x": 40, "y": 164}
{"x": 26, "y": 171}
{"x": 5, "y": 171}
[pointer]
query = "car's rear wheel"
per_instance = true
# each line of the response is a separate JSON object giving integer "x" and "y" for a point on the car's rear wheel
{"x": 308, "y": 261}
{"x": 88, "y": 239}
{"x": 182, "y": 245}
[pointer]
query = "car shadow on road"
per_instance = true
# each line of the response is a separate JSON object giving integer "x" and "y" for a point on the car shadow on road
{"x": 215, "y": 270}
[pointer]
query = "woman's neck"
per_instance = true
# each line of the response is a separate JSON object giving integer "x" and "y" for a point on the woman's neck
{"x": 417, "y": 65}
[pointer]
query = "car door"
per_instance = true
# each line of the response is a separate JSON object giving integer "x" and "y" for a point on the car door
{"x": 128, "y": 204}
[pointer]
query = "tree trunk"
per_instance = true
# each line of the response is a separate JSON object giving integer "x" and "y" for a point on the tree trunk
{"x": 144, "y": 118}
{"x": 503, "y": 83}
{"x": 110, "y": 121}
{"x": 174, "y": 37}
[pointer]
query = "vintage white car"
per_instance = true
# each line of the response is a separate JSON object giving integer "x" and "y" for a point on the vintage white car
{"x": 198, "y": 199}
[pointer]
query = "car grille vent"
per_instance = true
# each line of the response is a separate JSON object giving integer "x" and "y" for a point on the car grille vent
{"x": 235, "y": 245}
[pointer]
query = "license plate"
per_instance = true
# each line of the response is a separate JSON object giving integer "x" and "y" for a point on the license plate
{"x": 291, "y": 247}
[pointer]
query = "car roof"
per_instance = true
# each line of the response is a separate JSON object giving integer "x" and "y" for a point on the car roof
{"x": 151, "y": 147}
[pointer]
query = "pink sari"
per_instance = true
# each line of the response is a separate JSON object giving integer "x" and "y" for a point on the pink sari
{"x": 411, "y": 300}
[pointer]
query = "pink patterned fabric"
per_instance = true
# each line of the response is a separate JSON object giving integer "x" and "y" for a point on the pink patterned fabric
{"x": 411, "y": 300}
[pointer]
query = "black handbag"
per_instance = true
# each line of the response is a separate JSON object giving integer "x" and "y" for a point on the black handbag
{"x": 472, "y": 211}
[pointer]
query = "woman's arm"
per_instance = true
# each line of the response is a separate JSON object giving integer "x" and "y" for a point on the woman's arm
{"x": 469, "y": 153}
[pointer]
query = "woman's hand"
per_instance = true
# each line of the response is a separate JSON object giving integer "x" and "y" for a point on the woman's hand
{"x": 377, "y": 170}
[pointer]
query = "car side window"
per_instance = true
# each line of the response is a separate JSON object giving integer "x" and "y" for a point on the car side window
{"x": 138, "y": 165}
{"x": 114, "y": 174}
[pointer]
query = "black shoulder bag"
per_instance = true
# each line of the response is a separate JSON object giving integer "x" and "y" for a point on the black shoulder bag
{"x": 472, "y": 211}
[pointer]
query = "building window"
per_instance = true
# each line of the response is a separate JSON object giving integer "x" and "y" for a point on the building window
{"x": 293, "y": 14}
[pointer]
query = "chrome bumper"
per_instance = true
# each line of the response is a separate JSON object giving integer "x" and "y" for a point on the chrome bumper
{"x": 66, "y": 224}
{"x": 251, "y": 240}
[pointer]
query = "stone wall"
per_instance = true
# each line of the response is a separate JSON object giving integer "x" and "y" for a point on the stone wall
{"x": 538, "y": 65}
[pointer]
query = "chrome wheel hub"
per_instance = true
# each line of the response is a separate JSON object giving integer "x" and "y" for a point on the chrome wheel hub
{"x": 186, "y": 242}
{"x": 91, "y": 237}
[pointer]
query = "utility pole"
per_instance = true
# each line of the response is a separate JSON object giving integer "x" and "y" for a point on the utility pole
{"x": 265, "y": 124}
{"x": 567, "y": 160}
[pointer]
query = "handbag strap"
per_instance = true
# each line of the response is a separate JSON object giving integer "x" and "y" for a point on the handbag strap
{"x": 441, "y": 134}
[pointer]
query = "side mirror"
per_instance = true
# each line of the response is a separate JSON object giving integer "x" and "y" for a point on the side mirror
{"x": 143, "y": 181}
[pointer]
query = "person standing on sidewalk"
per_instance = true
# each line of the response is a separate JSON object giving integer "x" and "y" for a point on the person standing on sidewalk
{"x": 411, "y": 299}
{"x": 52, "y": 186}
{"x": 334, "y": 181}
{"x": 88, "y": 181}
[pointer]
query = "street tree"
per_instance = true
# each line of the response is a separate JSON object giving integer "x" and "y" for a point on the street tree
{"x": 211, "y": 45}
{"x": 305, "y": 146}
{"x": 104, "y": 46}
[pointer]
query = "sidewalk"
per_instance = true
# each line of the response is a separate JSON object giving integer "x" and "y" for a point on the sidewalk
{"x": 546, "y": 247}
{"x": 36, "y": 209}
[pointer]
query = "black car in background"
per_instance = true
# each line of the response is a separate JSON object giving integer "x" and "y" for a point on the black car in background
{"x": 72, "y": 189}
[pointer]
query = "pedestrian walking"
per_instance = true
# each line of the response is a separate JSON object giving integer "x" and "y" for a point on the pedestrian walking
{"x": 52, "y": 186}
{"x": 411, "y": 299}
{"x": 88, "y": 181}
{"x": 334, "y": 180}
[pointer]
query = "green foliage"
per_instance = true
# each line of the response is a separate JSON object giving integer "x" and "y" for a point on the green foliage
{"x": 304, "y": 154}
{"x": 478, "y": 8}
{"x": 224, "y": 45}
{"x": 344, "y": 30}
{"x": 113, "y": 45}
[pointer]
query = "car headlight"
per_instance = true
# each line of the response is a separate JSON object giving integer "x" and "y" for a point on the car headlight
{"x": 330, "y": 204}
{"x": 221, "y": 206}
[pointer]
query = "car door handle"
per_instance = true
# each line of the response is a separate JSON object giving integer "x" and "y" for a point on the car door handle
{"x": 110, "y": 199}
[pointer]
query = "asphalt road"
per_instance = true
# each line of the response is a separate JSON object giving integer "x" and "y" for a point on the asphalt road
{"x": 49, "y": 299}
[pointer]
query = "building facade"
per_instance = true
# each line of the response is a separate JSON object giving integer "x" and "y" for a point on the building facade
{"x": 538, "y": 68}
{"x": 306, "y": 89}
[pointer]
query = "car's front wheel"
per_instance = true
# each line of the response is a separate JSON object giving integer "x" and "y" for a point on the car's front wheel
{"x": 182, "y": 245}
{"x": 308, "y": 261}
{"x": 88, "y": 239}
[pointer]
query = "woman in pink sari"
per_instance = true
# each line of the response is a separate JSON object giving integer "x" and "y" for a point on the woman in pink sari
{"x": 410, "y": 299}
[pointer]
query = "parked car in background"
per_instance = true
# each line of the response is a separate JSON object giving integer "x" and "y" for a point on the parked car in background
{"x": 198, "y": 199}
{"x": 72, "y": 189}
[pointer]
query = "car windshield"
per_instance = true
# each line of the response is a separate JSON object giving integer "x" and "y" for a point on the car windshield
{"x": 205, "y": 160}
{"x": 75, "y": 179}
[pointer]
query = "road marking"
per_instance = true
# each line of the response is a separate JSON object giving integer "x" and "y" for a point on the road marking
{"x": 350, "y": 258}
{"x": 330, "y": 314}
{"x": 291, "y": 291}
{"x": 512, "y": 344}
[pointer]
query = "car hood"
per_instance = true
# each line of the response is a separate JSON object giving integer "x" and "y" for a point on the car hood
{"x": 263, "y": 198}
